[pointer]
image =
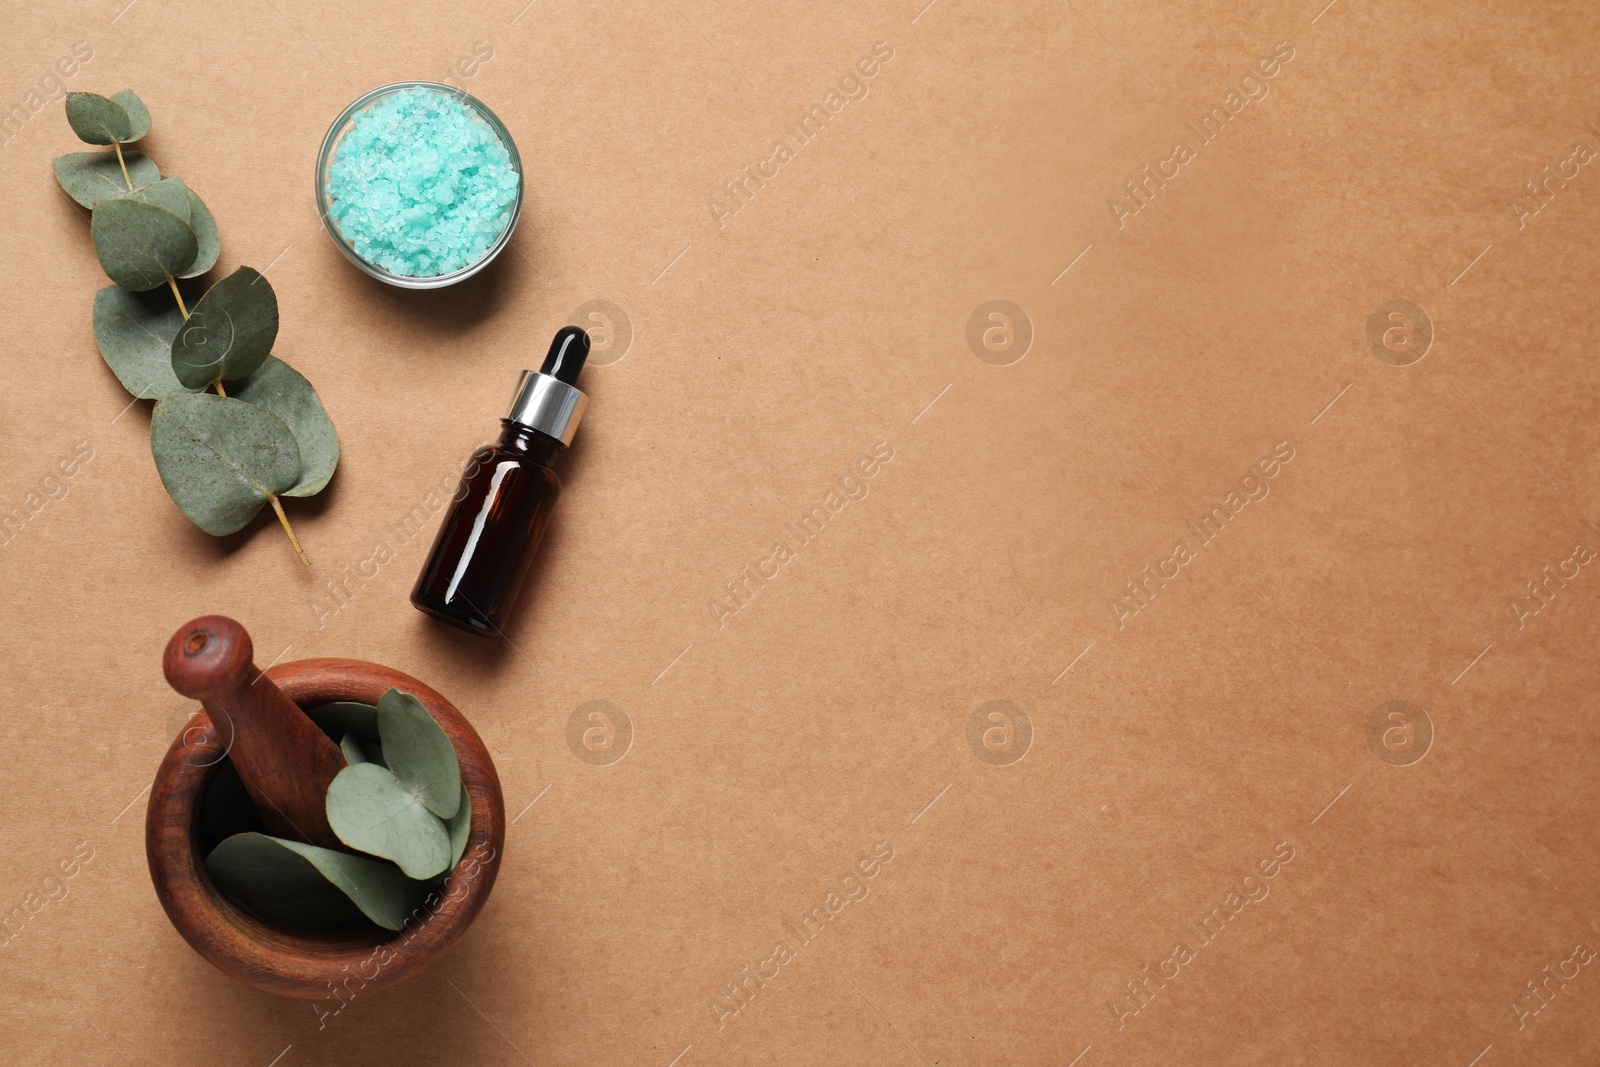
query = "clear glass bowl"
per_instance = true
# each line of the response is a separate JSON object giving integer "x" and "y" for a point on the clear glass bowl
{"x": 330, "y": 145}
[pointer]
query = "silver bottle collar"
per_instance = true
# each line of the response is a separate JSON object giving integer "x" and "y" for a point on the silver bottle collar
{"x": 545, "y": 403}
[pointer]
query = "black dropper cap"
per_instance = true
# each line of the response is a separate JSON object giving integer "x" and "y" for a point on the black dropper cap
{"x": 568, "y": 350}
{"x": 548, "y": 400}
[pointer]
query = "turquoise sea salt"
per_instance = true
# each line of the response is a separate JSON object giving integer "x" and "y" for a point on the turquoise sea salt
{"x": 420, "y": 185}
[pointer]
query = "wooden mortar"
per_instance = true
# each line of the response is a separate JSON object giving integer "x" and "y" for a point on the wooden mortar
{"x": 325, "y": 965}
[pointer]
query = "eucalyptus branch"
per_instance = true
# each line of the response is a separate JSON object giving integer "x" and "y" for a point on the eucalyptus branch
{"x": 222, "y": 455}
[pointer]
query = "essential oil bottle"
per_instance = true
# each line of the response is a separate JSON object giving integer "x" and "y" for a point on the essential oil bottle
{"x": 507, "y": 492}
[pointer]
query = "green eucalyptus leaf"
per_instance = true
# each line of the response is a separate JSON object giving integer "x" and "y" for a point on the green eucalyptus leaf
{"x": 371, "y": 811}
{"x": 90, "y": 177}
{"x": 229, "y": 333}
{"x": 135, "y": 332}
{"x": 220, "y": 458}
{"x": 460, "y": 827}
{"x": 204, "y": 225}
{"x": 353, "y": 753}
{"x": 280, "y": 389}
{"x": 98, "y": 120}
{"x": 169, "y": 193}
{"x": 419, "y": 753}
{"x": 138, "y": 114}
{"x": 279, "y": 884}
{"x": 140, "y": 245}
{"x": 311, "y": 888}
{"x": 346, "y": 717}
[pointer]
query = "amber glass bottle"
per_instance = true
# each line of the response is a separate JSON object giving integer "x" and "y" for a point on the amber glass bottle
{"x": 503, "y": 504}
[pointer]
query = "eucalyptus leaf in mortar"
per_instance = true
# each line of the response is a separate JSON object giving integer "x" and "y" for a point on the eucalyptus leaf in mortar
{"x": 460, "y": 827}
{"x": 353, "y": 752}
{"x": 140, "y": 245}
{"x": 221, "y": 458}
{"x": 280, "y": 389}
{"x": 311, "y": 888}
{"x": 138, "y": 114}
{"x": 135, "y": 332}
{"x": 419, "y": 752}
{"x": 342, "y": 717}
{"x": 229, "y": 333}
{"x": 99, "y": 120}
{"x": 370, "y": 810}
{"x": 90, "y": 177}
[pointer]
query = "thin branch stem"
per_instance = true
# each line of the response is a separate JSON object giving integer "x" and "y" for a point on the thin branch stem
{"x": 123, "y": 165}
{"x": 174, "y": 283}
{"x": 284, "y": 519}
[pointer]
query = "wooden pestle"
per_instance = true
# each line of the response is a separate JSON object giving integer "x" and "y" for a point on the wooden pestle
{"x": 284, "y": 759}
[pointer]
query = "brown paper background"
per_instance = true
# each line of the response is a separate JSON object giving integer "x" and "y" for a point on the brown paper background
{"x": 769, "y": 355}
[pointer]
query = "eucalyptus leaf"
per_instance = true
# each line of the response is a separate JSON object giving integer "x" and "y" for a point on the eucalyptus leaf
{"x": 351, "y": 747}
{"x": 169, "y": 193}
{"x": 204, "y": 225}
{"x": 98, "y": 120}
{"x": 419, "y": 753}
{"x": 460, "y": 827}
{"x": 90, "y": 177}
{"x": 311, "y": 888}
{"x": 229, "y": 333}
{"x": 140, "y": 245}
{"x": 135, "y": 332}
{"x": 138, "y": 114}
{"x": 346, "y": 717}
{"x": 282, "y": 390}
{"x": 370, "y": 810}
{"x": 220, "y": 458}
